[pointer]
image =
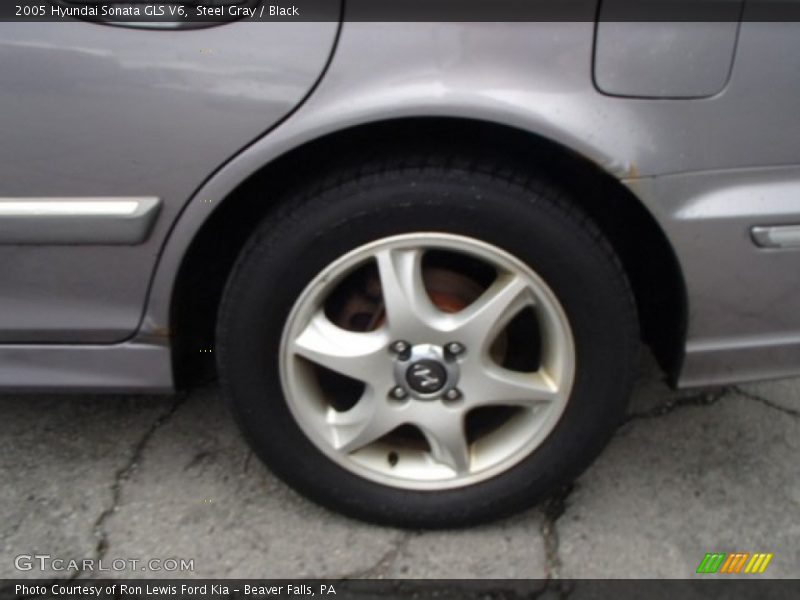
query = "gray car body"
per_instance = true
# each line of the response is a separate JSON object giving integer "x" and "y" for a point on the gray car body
{"x": 702, "y": 128}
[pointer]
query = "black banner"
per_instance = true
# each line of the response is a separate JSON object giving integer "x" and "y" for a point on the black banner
{"x": 713, "y": 587}
{"x": 176, "y": 15}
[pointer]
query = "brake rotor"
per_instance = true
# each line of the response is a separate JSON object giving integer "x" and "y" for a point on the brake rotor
{"x": 449, "y": 291}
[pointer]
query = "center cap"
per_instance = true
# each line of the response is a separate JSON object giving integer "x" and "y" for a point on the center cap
{"x": 426, "y": 376}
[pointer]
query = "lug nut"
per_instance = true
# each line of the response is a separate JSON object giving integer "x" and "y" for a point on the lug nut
{"x": 454, "y": 348}
{"x": 400, "y": 347}
{"x": 398, "y": 393}
{"x": 452, "y": 394}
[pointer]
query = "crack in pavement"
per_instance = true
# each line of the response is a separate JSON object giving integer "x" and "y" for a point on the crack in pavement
{"x": 121, "y": 476}
{"x": 702, "y": 398}
{"x": 768, "y": 403}
{"x": 552, "y": 510}
{"x": 382, "y": 566}
{"x": 556, "y": 505}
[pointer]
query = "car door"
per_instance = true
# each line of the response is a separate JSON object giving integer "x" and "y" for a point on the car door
{"x": 105, "y": 133}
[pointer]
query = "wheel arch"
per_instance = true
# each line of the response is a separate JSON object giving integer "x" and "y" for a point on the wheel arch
{"x": 195, "y": 287}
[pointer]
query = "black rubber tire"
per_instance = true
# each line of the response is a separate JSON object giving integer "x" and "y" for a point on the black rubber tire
{"x": 528, "y": 217}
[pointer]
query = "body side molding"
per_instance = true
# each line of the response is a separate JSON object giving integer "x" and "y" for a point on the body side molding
{"x": 96, "y": 221}
{"x": 778, "y": 236}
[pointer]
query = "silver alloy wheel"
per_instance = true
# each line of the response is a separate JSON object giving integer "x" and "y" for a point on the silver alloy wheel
{"x": 419, "y": 345}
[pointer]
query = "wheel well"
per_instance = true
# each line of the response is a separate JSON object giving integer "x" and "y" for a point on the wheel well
{"x": 646, "y": 255}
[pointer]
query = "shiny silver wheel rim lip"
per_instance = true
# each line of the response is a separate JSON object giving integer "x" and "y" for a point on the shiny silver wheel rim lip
{"x": 439, "y": 470}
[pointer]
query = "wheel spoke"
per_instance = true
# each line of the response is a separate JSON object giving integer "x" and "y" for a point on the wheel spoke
{"x": 368, "y": 421}
{"x": 479, "y": 324}
{"x": 448, "y": 442}
{"x": 494, "y": 385}
{"x": 361, "y": 356}
{"x": 409, "y": 310}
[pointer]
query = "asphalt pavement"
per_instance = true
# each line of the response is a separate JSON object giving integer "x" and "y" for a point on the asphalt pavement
{"x": 137, "y": 478}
